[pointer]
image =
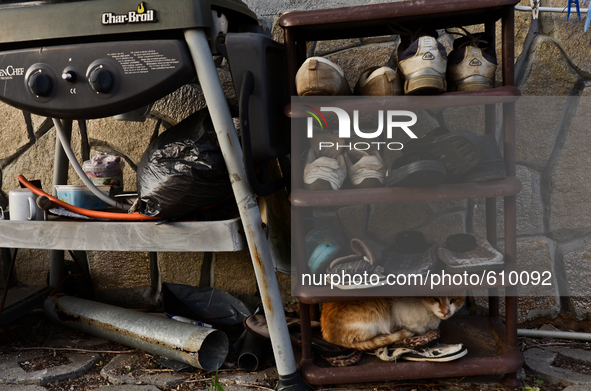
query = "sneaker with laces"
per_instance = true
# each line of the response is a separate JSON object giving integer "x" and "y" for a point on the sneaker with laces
{"x": 325, "y": 168}
{"x": 469, "y": 66}
{"x": 423, "y": 62}
{"x": 323, "y": 172}
{"x": 319, "y": 76}
{"x": 378, "y": 81}
{"x": 365, "y": 168}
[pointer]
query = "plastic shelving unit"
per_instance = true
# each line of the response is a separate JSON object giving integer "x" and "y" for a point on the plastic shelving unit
{"x": 492, "y": 346}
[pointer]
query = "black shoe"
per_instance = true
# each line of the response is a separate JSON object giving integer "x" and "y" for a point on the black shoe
{"x": 491, "y": 167}
{"x": 412, "y": 171}
{"x": 459, "y": 151}
{"x": 411, "y": 253}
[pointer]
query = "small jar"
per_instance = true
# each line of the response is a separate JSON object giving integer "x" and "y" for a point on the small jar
{"x": 105, "y": 170}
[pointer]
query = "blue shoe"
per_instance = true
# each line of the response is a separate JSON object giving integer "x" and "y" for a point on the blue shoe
{"x": 322, "y": 246}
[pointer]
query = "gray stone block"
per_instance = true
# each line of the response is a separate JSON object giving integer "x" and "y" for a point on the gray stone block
{"x": 537, "y": 120}
{"x": 22, "y": 388}
{"x": 548, "y": 67}
{"x": 529, "y": 208}
{"x": 570, "y": 187}
{"x": 12, "y": 373}
{"x": 567, "y": 33}
{"x": 16, "y": 137}
{"x": 577, "y": 264}
{"x": 540, "y": 362}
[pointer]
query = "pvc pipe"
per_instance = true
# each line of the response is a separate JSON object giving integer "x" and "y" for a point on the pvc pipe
{"x": 554, "y": 334}
{"x": 549, "y": 9}
{"x": 246, "y": 200}
{"x": 74, "y": 162}
{"x": 201, "y": 347}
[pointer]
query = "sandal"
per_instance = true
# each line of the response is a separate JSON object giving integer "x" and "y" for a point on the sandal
{"x": 463, "y": 252}
{"x": 363, "y": 262}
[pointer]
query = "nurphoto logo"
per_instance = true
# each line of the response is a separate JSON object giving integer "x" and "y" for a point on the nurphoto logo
{"x": 393, "y": 119}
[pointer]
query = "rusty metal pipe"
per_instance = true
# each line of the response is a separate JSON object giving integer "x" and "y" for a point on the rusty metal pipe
{"x": 201, "y": 347}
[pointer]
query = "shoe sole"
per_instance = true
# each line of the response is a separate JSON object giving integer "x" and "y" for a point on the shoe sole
{"x": 369, "y": 183}
{"x": 451, "y": 357}
{"x": 459, "y": 151}
{"x": 472, "y": 83}
{"x": 318, "y": 185}
{"x": 424, "y": 85}
{"x": 416, "y": 174}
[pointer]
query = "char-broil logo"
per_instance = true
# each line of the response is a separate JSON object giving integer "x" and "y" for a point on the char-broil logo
{"x": 9, "y": 72}
{"x": 392, "y": 118}
{"x": 142, "y": 15}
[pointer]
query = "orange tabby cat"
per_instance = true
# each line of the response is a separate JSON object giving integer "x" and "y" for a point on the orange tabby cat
{"x": 371, "y": 324}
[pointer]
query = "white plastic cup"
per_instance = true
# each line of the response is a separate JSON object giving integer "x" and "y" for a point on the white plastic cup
{"x": 23, "y": 205}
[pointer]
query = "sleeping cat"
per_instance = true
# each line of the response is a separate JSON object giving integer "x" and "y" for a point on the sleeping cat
{"x": 371, "y": 324}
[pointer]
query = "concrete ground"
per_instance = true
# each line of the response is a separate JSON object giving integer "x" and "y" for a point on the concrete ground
{"x": 36, "y": 355}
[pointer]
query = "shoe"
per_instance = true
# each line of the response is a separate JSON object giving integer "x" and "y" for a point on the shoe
{"x": 319, "y": 76}
{"x": 491, "y": 166}
{"x": 412, "y": 171}
{"x": 324, "y": 168}
{"x": 324, "y": 173}
{"x": 422, "y": 62}
{"x": 469, "y": 66}
{"x": 378, "y": 81}
{"x": 463, "y": 252}
{"x": 411, "y": 253}
{"x": 356, "y": 265}
{"x": 426, "y": 340}
{"x": 459, "y": 150}
{"x": 438, "y": 353}
{"x": 365, "y": 168}
{"x": 322, "y": 247}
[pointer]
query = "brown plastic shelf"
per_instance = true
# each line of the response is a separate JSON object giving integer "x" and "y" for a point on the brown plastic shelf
{"x": 483, "y": 336}
{"x": 324, "y": 294}
{"x": 377, "y": 19}
{"x": 388, "y": 195}
{"x": 406, "y": 102}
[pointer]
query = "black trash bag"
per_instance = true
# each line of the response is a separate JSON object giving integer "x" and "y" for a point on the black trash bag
{"x": 183, "y": 170}
{"x": 210, "y": 305}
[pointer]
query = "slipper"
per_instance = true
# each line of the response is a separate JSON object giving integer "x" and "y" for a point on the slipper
{"x": 411, "y": 170}
{"x": 439, "y": 353}
{"x": 345, "y": 360}
{"x": 464, "y": 252}
{"x": 355, "y": 266}
{"x": 410, "y": 253}
{"x": 422, "y": 341}
{"x": 459, "y": 151}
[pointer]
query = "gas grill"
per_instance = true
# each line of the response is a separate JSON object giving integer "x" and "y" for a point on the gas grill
{"x": 86, "y": 59}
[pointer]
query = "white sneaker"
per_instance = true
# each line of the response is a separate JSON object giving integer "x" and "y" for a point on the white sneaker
{"x": 324, "y": 173}
{"x": 366, "y": 169}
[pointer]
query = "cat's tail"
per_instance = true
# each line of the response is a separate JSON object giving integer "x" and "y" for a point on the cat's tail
{"x": 381, "y": 340}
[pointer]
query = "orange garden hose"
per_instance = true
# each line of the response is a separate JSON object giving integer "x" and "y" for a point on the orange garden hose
{"x": 86, "y": 212}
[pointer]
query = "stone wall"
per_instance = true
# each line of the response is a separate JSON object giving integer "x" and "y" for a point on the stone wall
{"x": 554, "y": 216}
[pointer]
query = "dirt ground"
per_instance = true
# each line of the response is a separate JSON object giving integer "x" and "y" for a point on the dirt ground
{"x": 31, "y": 334}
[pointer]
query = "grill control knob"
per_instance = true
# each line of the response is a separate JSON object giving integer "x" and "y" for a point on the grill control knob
{"x": 100, "y": 80}
{"x": 39, "y": 83}
{"x": 69, "y": 76}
